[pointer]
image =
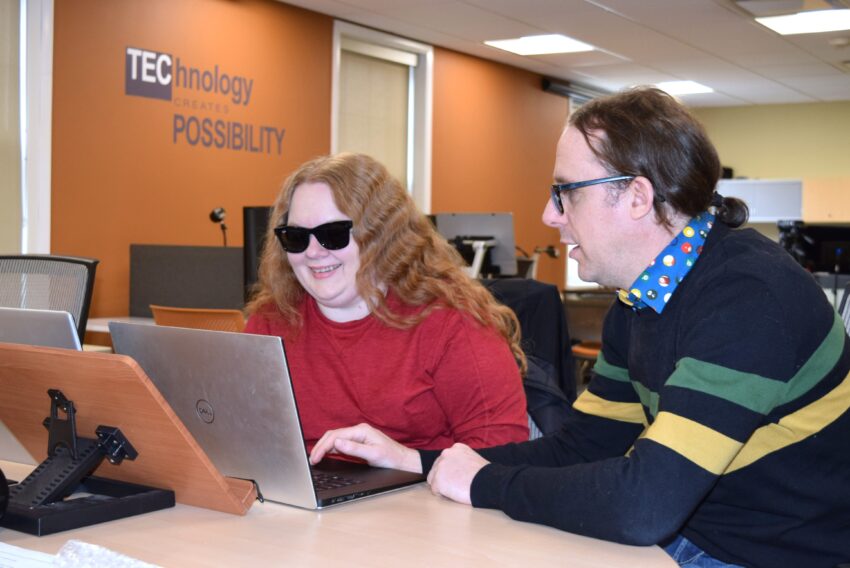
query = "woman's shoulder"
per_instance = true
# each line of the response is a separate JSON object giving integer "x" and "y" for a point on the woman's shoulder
{"x": 440, "y": 319}
{"x": 437, "y": 311}
{"x": 449, "y": 322}
{"x": 266, "y": 319}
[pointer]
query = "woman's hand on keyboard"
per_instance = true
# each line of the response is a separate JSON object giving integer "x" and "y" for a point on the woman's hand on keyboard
{"x": 365, "y": 442}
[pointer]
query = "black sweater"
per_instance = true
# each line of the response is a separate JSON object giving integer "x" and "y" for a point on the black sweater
{"x": 724, "y": 419}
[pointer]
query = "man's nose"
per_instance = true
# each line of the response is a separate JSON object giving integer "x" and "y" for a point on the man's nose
{"x": 551, "y": 217}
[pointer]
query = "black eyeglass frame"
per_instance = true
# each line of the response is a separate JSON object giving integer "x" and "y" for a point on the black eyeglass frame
{"x": 321, "y": 232}
{"x": 557, "y": 188}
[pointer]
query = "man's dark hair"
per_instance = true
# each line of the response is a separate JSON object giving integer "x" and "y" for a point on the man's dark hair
{"x": 645, "y": 132}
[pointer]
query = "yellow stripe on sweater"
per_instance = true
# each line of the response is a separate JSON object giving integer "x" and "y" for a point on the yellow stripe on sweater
{"x": 697, "y": 443}
{"x": 795, "y": 427}
{"x": 589, "y": 403}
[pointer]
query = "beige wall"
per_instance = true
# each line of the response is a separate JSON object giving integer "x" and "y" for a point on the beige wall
{"x": 782, "y": 141}
{"x": 801, "y": 141}
{"x": 10, "y": 149}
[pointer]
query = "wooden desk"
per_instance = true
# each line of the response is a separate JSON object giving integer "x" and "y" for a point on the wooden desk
{"x": 410, "y": 527}
{"x": 101, "y": 325}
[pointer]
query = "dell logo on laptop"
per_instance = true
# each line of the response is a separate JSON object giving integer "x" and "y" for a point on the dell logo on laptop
{"x": 205, "y": 411}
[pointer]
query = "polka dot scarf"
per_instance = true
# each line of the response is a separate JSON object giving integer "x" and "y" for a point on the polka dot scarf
{"x": 655, "y": 286}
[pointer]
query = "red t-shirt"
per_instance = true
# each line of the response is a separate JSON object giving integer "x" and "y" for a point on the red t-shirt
{"x": 443, "y": 381}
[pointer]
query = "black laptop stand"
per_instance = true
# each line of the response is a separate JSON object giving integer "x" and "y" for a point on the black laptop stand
{"x": 61, "y": 493}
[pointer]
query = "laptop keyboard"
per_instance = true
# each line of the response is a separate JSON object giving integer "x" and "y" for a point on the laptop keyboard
{"x": 325, "y": 481}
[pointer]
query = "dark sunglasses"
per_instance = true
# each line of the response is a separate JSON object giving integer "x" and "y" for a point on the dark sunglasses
{"x": 557, "y": 188}
{"x": 332, "y": 236}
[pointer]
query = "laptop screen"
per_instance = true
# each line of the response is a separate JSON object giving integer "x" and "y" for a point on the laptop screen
{"x": 44, "y": 328}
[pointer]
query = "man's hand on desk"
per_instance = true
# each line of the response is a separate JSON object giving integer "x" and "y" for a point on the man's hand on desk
{"x": 452, "y": 473}
{"x": 365, "y": 442}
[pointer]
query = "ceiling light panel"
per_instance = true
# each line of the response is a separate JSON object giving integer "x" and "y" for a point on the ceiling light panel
{"x": 540, "y": 45}
{"x": 819, "y": 21}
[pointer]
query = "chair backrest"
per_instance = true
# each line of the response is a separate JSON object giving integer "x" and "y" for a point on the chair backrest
{"x": 550, "y": 383}
{"x": 844, "y": 310}
{"x": 199, "y": 318}
{"x": 49, "y": 282}
{"x": 543, "y": 322}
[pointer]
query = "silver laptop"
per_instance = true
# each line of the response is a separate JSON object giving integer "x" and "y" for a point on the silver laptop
{"x": 45, "y": 328}
{"x": 233, "y": 392}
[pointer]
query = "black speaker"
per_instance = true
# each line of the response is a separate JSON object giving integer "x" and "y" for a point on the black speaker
{"x": 255, "y": 223}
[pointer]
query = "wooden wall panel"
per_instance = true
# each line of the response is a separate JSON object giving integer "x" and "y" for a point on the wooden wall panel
{"x": 119, "y": 174}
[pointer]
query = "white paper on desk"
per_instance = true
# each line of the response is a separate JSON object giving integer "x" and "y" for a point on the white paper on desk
{"x": 16, "y": 557}
{"x": 74, "y": 553}
{"x": 79, "y": 554}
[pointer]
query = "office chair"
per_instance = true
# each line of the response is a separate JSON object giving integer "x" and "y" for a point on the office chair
{"x": 844, "y": 310}
{"x": 550, "y": 385}
{"x": 49, "y": 282}
{"x": 199, "y": 318}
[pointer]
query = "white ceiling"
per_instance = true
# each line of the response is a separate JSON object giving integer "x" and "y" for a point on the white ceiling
{"x": 713, "y": 42}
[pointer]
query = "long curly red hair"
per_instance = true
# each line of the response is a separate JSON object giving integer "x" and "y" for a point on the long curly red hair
{"x": 399, "y": 248}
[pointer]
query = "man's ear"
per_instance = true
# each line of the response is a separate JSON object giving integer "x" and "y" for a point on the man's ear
{"x": 642, "y": 194}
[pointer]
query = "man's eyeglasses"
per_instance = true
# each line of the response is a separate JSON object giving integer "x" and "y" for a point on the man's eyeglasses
{"x": 558, "y": 188}
{"x": 332, "y": 236}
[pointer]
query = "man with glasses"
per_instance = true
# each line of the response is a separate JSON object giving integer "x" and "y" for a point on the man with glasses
{"x": 716, "y": 423}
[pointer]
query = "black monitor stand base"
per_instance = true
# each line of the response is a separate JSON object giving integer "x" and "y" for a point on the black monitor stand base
{"x": 61, "y": 494}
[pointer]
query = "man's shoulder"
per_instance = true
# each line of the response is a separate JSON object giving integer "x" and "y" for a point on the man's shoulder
{"x": 745, "y": 268}
{"x": 733, "y": 243}
{"x": 745, "y": 254}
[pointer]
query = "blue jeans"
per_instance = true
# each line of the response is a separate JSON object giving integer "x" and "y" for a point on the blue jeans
{"x": 688, "y": 554}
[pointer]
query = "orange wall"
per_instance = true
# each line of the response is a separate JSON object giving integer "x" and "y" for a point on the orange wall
{"x": 119, "y": 178}
{"x": 495, "y": 131}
